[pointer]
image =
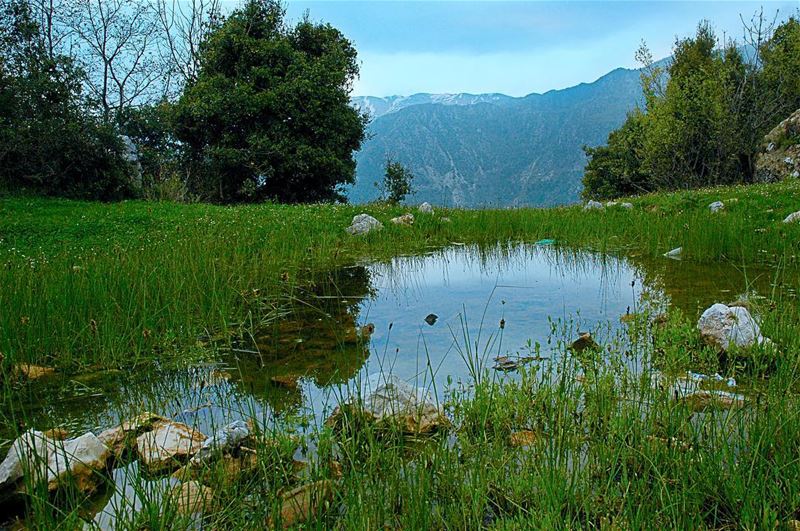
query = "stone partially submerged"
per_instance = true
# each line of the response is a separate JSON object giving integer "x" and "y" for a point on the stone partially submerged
{"x": 167, "y": 446}
{"x": 725, "y": 327}
{"x": 75, "y": 462}
{"x": 390, "y": 402}
{"x": 226, "y": 440}
{"x": 362, "y": 224}
{"x": 123, "y": 437}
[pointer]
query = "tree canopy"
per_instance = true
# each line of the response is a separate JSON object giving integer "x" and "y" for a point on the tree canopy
{"x": 269, "y": 115}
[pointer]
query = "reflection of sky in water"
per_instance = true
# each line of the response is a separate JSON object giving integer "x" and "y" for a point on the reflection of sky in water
{"x": 473, "y": 292}
{"x": 522, "y": 285}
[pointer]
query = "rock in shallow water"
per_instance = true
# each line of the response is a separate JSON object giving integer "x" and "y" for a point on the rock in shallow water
{"x": 729, "y": 326}
{"x": 75, "y": 462}
{"x": 362, "y": 224}
{"x": 168, "y": 445}
{"x": 388, "y": 400}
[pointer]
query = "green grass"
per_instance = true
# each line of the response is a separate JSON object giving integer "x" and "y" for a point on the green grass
{"x": 116, "y": 285}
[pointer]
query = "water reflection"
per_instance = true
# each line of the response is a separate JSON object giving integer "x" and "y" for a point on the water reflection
{"x": 303, "y": 359}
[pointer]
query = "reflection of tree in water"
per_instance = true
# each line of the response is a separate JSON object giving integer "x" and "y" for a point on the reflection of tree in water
{"x": 694, "y": 287}
{"x": 319, "y": 338}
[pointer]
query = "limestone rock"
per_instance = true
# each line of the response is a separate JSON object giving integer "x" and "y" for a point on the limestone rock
{"x": 704, "y": 399}
{"x": 522, "y": 438}
{"x": 168, "y": 445}
{"x": 77, "y": 462}
{"x": 33, "y": 372}
{"x": 225, "y": 440}
{"x": 425, "y": 208}
{"x": 119, "y": 438}
{"x": 362, "y": 224}
{"x": 729, "y": 326}
{"x": 593, "y": 205}
{"x": 716, "y": 206}
{"x": 190, "y": 497}
{"x": 388, "y": 400}
{"x": 405, "y": 219}
{"x": 303, "y": 503}
{"x": 793, "y": 217}
{"x": 675, "y": 254}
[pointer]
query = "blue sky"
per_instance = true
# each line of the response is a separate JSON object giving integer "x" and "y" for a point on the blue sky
{"x": 512, "y": 47}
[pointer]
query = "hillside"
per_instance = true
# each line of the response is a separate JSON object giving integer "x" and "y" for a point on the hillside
{"x": 477, "y": 150}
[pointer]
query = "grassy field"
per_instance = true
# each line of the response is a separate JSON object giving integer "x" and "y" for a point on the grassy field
{"x": 87, "y": 285}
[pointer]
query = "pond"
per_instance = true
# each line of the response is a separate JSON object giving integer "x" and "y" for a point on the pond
{"x": 426, "y": 319}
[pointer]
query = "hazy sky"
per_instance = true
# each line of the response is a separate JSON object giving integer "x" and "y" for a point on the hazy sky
{"x": 512, "y": 47}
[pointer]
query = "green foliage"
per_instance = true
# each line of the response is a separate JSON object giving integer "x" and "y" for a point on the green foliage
{"x": 269, "y": 114}
{"x": 49, "y": 143}
{"x": 396, "y": 181}
{"x": 705, "y": 125}
{"x": 615, "y": 169}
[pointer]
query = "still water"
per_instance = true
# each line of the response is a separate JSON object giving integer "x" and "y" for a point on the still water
{"x": 419, "y": 318}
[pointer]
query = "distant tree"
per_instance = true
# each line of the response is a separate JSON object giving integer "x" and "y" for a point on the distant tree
{"x": 49, "y": 142}
{"x": 268, "y": 114}
{"x": 396, "y": 181}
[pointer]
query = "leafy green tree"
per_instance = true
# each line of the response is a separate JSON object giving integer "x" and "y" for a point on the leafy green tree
{"x": 268, "y": 115}
{"x": 49, "y": 142}
{"x": 615, "y": 169}
{"x": 396, "y": 181}
{"x": 780, "y": 56}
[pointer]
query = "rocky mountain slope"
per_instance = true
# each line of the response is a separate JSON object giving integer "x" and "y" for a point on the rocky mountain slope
{"x": 483, "y": 150}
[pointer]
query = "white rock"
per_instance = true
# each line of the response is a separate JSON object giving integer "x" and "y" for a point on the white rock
{"x": 593, "y": 205}
{"x": 675, "y": 254}
{"x": 405, "y": 219}
{"x": 426, "y": 208}
{"x": 716, "y": 206}
{"x": 727, "y": 326}
{"x": 388, "y": 399}
{"x": 77, "y": 461}
{"x": 791, "y": 218}
{"x": 626, "y": 205}
{"x": 226, "y": 439}
{"x": 363, "y": 223}
{"x": 167, "y": 445}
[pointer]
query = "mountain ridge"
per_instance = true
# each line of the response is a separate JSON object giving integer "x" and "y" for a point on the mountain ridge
{"x": 491, "y": 149}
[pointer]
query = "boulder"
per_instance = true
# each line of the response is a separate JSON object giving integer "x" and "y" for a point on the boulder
{"x": 33, "y": 372}
{"x": 793, "y": 217}
{"x": 716, "y": 206}
{"x": 627, "y": 206}
{"x": 593, "y": 205}
{"x": 780, "y": 153}
{"x": 725, "y": 327}
{"x": 168, "y": 445}
{"x": 189, "y": 498}
{"x": 76, "y": 462}
{"x": 122, "y": 437}
{"x": 675, "y": 254}
{"x": 303, "y": 503}
{"x": 389, "y": 401}
{"x": 704, "y": 399}
{"x": 226, "y": 440}
{"x": 405, "y": 219}
{"x": 362, "y": 224}
{"x": 425, "y": 208}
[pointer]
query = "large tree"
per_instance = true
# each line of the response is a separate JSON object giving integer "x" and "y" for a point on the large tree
{"x": 268, "y": 114}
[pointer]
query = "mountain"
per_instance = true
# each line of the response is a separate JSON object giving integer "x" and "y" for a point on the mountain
{"x": 377, "y": 107}
{"x": 491, "y": 149}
